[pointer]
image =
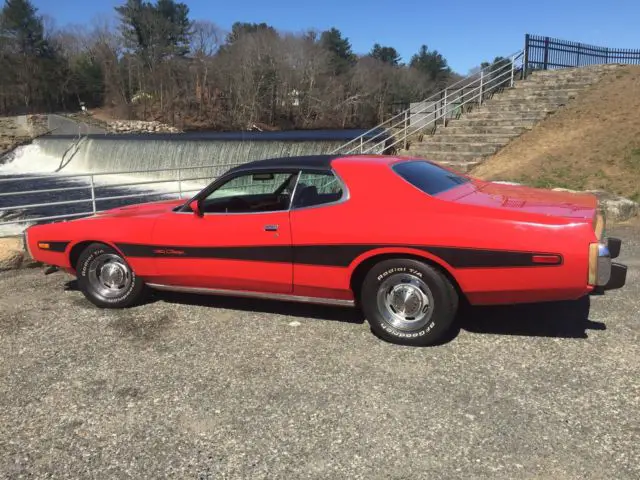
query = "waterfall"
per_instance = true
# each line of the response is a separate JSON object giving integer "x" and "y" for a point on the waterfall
{"x": 68, "y": 154}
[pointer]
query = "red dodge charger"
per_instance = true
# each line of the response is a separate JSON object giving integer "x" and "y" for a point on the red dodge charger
{"x": 403, "y": 239}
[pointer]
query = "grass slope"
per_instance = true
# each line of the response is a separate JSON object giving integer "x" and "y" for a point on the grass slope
{"x": 593, "y": 143}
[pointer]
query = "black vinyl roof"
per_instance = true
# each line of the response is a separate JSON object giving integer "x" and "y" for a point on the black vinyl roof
{"x": 322, "y": 162}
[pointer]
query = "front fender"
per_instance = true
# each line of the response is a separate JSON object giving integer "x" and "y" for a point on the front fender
{"x": 63, "y": 240}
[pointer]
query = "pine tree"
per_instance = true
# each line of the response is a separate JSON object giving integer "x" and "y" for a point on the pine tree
{"x": 340, "y": 48}
{"x": 21, "y": 26}
{"x": 155, "y": 31}
{"x": 241, "y": 29}
{"x": 430, "y": 63}
{"x": 30, "y": 66}
{"x": 387, "y": 55}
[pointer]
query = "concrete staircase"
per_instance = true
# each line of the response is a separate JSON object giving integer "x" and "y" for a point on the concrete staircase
{"x": 484, "y": 130}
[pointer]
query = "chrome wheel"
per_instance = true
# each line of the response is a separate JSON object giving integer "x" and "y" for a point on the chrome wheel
{"x": 109, "y": 276}
{"x": 405, "y": 301}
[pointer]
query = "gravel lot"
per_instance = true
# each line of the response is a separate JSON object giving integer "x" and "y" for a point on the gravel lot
{"x": 196, "y": 387}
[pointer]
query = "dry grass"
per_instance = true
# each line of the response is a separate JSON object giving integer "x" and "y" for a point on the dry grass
{"x": 593, "y": 143}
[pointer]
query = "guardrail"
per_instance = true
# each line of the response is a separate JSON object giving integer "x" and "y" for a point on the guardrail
{"x": 438, "y": 108}
{"x": 543, "y": 53}
{"x": 96, "y": 190}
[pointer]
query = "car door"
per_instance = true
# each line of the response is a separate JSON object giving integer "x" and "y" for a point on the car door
{"x": 242, "y": 240}
{"x": 317, "y": 225}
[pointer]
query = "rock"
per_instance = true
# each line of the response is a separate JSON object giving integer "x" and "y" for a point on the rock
{"x": 619, "y": 209}
{"x": 10, "y": 259}
{"x": 139, "y": 126}
{"x": 11, "y": 253}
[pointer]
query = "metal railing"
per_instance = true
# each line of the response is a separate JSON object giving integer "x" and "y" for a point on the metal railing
{"x": 434, "y": 111}
{"x": 98, "y": 192}
{"x": 543, "y": 53}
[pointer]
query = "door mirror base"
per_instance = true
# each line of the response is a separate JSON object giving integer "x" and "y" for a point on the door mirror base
{"x": 195, "y": 208}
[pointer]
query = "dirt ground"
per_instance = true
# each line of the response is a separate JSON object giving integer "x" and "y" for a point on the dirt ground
{"x": 593, "y": 143}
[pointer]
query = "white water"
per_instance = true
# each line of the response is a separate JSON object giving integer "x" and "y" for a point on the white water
{"x": 110, "y": 154}
{"x": 33, "y": 160}
{"x": 30, "y": 159}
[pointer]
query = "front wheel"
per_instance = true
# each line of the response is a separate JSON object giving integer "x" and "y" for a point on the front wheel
{"x": 408, "y": 302}
{"x": 106, "y": 279}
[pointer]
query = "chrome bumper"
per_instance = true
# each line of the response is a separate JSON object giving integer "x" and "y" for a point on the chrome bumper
{"x": 603, "y": 272}
{"x": 609, "y": 275}
{"x": 25, "y": 243}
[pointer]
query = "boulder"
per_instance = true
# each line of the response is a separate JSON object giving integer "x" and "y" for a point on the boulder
{"x": 11, "y": 253}
{"x": 619, "y": 208}
{"x": 615, "y": 207}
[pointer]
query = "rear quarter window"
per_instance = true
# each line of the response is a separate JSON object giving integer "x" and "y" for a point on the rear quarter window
{"x": 426, "y": 176}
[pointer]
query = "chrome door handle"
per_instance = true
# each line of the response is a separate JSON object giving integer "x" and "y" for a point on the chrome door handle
{"x": 271, "y": 228}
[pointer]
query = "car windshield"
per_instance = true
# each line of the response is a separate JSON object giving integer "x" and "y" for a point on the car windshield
{"x": 428, "y": 177}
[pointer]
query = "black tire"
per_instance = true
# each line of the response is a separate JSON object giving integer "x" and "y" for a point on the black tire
{"x": 128, "y": 290}
{"x": 408, "y": 302}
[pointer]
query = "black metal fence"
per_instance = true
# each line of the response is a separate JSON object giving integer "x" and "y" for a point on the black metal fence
{"x": 544, "y": 53}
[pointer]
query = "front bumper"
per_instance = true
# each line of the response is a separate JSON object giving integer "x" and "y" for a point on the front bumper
{"x": 25, "y": 243}
{"x": 609, "y": 275}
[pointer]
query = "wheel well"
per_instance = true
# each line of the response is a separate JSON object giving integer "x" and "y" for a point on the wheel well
{"x": 76, "y": 251}
{"x": 357, "y": 278}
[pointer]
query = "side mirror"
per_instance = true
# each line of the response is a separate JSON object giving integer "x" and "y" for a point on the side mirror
{"x": 195, "y": 208}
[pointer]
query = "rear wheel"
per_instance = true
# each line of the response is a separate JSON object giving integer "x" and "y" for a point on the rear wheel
{"x": 106, "y": 279}
{"x": 408, "y": 302}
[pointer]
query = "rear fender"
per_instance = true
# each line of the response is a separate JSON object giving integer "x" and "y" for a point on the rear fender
{"x": 367, "y": 259}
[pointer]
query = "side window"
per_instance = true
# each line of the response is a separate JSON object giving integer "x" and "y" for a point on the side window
{"x": 315, "y": 188}
{"x": 252, "y": 192}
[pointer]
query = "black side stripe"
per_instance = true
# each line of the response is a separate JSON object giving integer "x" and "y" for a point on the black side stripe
{"x": 339, "y": 255}
{"x": 279, "y": 254}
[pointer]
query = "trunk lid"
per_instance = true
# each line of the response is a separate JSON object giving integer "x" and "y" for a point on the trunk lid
{"x": 524, "y": 199}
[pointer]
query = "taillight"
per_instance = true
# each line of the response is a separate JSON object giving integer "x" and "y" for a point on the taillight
{"x": 593, "y": 263}
{"x": 598, "y": 226}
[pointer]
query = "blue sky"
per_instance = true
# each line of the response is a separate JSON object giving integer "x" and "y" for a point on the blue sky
{"x": 466, "y": 32}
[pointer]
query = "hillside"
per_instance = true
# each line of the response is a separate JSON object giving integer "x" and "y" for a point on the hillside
{"x": 593, "y": 143}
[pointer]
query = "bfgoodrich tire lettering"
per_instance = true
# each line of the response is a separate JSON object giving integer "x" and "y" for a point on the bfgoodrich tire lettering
{"x": 105, "y": 278}
{"x": 408, "y": 302}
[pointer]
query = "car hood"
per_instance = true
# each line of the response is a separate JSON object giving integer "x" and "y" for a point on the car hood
{"x": 524, "y": 199}
{"x": 153, "y": 208}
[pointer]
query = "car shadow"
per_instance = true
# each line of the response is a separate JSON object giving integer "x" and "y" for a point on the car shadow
{"x": 293, "y": 309}
{"x": 566, "y": 319}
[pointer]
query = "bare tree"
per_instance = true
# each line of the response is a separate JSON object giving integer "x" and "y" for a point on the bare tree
{"x": 206, "y": 38}
{"x": 155, "y": 63}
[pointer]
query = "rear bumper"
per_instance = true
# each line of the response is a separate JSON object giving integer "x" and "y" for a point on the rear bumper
{"x": 610, "y": 275}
